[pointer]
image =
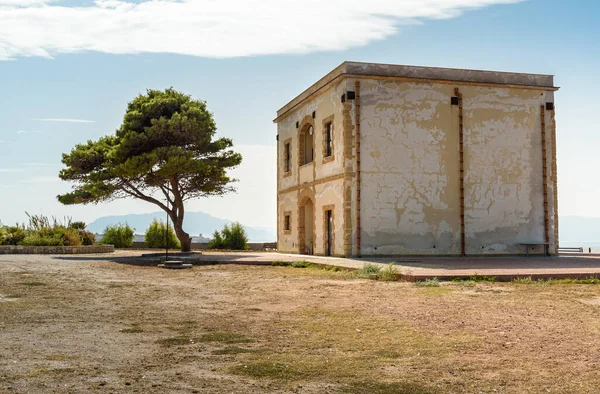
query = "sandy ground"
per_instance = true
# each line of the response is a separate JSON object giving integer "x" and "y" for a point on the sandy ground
{"x": 96, "y": 324}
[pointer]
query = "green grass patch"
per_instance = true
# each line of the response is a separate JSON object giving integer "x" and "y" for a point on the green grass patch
{"x": 369, "y": 271}
{"x": 175, "y": 341}
{"x": 566, "y": 281}
{"x": 225, "y": 337}
{"x": 386, "y": 388}
{"x": 271, "y": 370}
{"x": 464, "y": 282}
{"x": 307, "y": 264}
{"x": 132, "y": 330}
{"x": 428, "y": 283}
{"x": 294, "y": 264}
{"x": 389, "y": 273}
{"x": 232, "y": 350}
{"x": 482, "y": 278}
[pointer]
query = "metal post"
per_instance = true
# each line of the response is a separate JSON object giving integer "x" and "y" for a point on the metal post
{"x": 167, "y": 235}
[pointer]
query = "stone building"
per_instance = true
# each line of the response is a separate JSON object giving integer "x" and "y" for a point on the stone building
{"x": 378, "y": 159}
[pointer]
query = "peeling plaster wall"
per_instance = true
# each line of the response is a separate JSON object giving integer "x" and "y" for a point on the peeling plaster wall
{"x": 323, "y": 178}
{"x": 410, "y": 168}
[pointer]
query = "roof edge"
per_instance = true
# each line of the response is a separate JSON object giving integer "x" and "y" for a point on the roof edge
{"x": 449, "y": 75}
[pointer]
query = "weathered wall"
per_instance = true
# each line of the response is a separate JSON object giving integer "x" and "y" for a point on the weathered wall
{"x": 321, "y": 181}
{"x": 410, "y": 168}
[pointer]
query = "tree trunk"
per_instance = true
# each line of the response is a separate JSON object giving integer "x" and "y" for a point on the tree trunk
{"x": 177, "y": 215}
{"x": 184, "y": 238}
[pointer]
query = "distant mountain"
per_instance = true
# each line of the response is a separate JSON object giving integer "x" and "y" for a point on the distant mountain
{"x": 195, "y": 223}
{"x": 578, "y": 229}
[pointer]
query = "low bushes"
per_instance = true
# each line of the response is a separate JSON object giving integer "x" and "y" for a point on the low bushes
{"x": 373, "y": 271}
{"x": 41, "y": 231}
{"x": 119, "y": 235}
{"x": 232, "y": 237}
{"x": 12, "y": 235}
{"x": 157, "y": 236}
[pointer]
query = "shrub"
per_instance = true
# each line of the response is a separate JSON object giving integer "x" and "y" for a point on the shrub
{"x": 87, "y": 238}
{"x": 157, "y": 236}
{"x": 120, "y": 235}
{"x": 217, "y": 241}
{"x": 13, "y": 235}
{"x": 232, "y": 237}
{"x": 78, "y": 225}
{"x": 36, "y": 239}
{"x": 41, "y": 231}
{"x": 389, "y": 273}
{"x": 235, "y": 237}
{"x": 428, "y": 283}
{"x": 69, "y": 236}
{"x": 368, "y": 271}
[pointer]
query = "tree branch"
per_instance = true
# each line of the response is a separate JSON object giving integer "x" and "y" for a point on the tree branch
{"x": 165, "y": 191}
{"x": 136, "y": 193}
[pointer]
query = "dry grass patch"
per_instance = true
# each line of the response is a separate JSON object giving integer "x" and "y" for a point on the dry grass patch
{"x": 386, "y": 388}
{"x": 32, "y": 284}
{"x": 328, "y": 345}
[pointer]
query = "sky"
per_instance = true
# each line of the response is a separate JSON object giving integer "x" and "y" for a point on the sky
{"x": 68, "y": 68}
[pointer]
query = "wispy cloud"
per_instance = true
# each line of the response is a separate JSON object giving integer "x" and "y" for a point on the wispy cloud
{"x": 2, "y": 141}
{"x": 217, "y": 29}
{"x": 67, "y": 120}
{"x": 10, "y": 170}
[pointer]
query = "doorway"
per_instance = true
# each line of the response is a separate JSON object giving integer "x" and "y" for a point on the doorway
{"x": 306, "y": 227}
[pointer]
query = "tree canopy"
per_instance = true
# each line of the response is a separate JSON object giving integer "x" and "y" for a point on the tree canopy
{"x": 163, "y": 153}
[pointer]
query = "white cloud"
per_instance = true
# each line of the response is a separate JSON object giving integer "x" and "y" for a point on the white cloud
{"x": 211, "y": 28}
{"x": 67, "y": 120}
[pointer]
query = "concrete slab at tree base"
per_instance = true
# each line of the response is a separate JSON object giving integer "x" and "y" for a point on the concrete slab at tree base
{"x": 175, "y": 264}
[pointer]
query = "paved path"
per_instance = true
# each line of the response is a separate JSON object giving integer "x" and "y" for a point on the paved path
{"x": 411, "y": 268}
{"x": 419, "y": 268}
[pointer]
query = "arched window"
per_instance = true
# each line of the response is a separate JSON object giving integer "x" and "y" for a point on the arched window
{"x": 307, "y": 153}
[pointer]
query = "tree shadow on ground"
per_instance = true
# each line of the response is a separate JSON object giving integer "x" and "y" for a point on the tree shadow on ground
{"x": 155, "y": 260}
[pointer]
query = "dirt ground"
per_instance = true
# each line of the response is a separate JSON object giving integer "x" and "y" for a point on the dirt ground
{"x": 91, "y": 324}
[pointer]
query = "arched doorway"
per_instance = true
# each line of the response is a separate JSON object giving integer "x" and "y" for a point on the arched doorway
{"x": 306, "y": 227}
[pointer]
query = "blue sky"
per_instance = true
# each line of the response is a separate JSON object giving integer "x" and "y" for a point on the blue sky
{"x": 248, "y": 63}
